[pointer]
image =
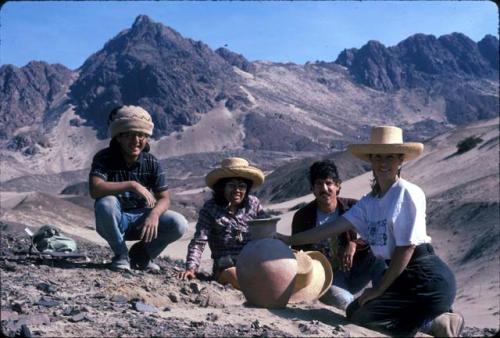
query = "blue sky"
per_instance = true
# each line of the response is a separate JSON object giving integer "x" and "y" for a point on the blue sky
{"x": 68, "y": 32}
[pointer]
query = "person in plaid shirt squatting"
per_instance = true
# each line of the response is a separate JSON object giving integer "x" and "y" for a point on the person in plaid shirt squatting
{"x": 223, "y": 220}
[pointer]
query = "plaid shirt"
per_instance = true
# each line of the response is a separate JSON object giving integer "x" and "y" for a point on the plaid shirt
{"x": 225, "y": 233}
{"x": 110, "y": 165}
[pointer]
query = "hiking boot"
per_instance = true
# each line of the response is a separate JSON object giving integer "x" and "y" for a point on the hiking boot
{"x": 120, "y": 263}
{"x": 448, "y": 324}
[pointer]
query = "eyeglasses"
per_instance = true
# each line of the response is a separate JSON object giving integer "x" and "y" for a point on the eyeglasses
{"x": 132, "y": 134}
{"x": 240, "y": 185}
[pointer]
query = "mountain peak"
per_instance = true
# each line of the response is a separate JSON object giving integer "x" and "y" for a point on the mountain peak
{"x": 154, "y": 66}
{"x": 142, "y": 20}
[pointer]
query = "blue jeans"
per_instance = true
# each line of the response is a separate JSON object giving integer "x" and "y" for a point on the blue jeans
{"x": 116, "y": 226}
{"x": 345, "y": 285}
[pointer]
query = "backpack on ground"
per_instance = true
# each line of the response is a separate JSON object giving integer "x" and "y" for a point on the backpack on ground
{"x": 48, "y": 239}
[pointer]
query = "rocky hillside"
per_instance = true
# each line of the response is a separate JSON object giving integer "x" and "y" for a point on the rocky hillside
{"x": 29, "y": 98}
{"x": 154, "y": 66}
{"x": 68, "y": 298}
{"x": 291, "y": 180}
{"x": 441, "y": 65}
{"x": 82, "y": 297}
{"x": 212, "y": 101}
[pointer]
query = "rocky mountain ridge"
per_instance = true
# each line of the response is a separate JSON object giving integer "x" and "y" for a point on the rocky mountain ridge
{"x": 153, "y": 66}
{"x": 29, "y": 98}
{"x": 416, "y": 60}
{"x": 204, "y": 100}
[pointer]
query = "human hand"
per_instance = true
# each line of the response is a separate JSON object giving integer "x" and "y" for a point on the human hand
{"x": 144, "y": 193}
{"x": 284, "y": 238}
{"x": 369, "y": 294}
{"x": 348, "y": 256}
{"x": 149, "y": 228}
{"x": 186, "y": 275}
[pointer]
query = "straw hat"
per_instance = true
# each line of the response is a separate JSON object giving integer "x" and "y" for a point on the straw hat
{"x": 314, "y": 276}
{"x": 235, "y": 167}
{"x": 271, "y": 275}
{"x": 386, "y": 140}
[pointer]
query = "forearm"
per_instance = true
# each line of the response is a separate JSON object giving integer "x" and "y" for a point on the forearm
{"x": 318, "y": 233}
{"x": 195, "y": 251}
{"x": 399, "y": 261}
{"x": 103, "y": 188}
{"x": 161, "y": 206}
{"x": 200, "y": 239}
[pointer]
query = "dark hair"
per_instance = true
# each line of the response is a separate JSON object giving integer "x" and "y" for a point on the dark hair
{"x": 219, "y": 186}
{"x": 115, "y": 146}
{"x": 113, "y": 112}
{"x": 323, "y": 170}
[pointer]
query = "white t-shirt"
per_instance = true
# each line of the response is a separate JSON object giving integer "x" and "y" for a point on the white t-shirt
{"x": 396, "y": 219}
{"x": 323, "y": 217}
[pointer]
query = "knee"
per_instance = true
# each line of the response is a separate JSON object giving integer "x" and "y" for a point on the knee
{"x": 105, "y": 208}
{"x": 106, "y": 204}
{"x": 337, "y": 297}
{"x": 174, "y": 222}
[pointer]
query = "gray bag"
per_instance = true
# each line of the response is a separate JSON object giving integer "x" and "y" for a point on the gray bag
{"x": 48, "y": 239}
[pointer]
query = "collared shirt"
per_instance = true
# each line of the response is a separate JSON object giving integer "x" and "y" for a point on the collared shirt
{"x": 306, "y": 218}
{"x": 110, "y": 165}
{"x": 225, "y": 233}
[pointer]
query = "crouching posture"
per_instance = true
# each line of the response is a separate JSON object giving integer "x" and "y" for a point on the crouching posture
{"x": 223, "y": 220}
{"x": 417, "y": 290}
{"x": 131, "y": 193}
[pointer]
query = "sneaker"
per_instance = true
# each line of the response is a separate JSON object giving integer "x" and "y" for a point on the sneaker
{"x": 152, "y": 267}
{"x": 120, "y": 263}
{"x": 448, "y": 324}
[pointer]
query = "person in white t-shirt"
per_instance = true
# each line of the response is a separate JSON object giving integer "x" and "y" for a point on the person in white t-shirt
{"x": 417, "y": 290}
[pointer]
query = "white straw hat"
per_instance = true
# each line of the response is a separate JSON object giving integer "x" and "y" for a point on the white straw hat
{"x": 314, "y": 276}
{"x": 235, "y": 167}
{"x": 386, "y": 140}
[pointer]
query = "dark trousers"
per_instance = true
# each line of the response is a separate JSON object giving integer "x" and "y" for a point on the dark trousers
{"x": 424, "y": 290}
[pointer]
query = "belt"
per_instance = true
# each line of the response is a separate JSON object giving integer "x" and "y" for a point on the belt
{"x": 420, "y": 251}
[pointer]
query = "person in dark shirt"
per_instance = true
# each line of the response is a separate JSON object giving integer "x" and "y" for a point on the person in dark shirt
{"x": 350, "y": 256}
{"x": 131, "y": 193}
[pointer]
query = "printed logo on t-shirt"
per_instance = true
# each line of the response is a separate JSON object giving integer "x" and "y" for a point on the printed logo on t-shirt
{"x": 377, "y": 233}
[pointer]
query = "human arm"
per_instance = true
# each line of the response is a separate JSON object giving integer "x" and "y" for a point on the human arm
{"x": 304, "y": 219}
{"x": 399, "y": 261}
{"x": 346, "y": 255}
{"x": 186, "y": 275}
{"x": 316, "y": 234}
{"x": 149, "y": 227}
{"x": 98, "y": 188}
{"x": 197, "y": 244}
